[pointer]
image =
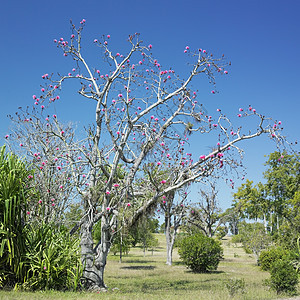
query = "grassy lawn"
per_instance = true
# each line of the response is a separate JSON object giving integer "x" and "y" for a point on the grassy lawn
{"x": 139, "y": 277}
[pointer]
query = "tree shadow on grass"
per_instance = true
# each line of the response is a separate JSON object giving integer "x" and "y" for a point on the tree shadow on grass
{"x": 139, "y": 267}
{"x": 210, "y": 272}
{"x": 137, "y": 261}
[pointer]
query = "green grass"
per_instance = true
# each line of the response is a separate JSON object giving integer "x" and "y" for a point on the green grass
{"x": 139, "y": 277}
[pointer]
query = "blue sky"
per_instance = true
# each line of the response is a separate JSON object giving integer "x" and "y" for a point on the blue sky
{"x": 260, "y": 38}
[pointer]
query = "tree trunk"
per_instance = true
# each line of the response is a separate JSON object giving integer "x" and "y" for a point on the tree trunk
{"x": 94, "y": 259}
{"x": 170, "y": 239}
{"x": 265, "y": 223}
{"x": 121, "y": 246}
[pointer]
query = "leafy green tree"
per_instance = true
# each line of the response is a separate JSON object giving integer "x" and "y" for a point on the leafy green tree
{"x": 254, "y": 238}
{"x": 283, "y": 182}
{"x": 143, "y": 232}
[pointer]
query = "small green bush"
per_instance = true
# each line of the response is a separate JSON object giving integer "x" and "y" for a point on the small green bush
{"x": 284, "y": 278}
{"x": 235, "y": 285}
{"x": 200, "y": 253}
{"x": 268, "y": 256}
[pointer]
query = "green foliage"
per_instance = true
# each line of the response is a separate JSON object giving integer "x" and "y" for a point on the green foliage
{"x": 237, "y": 239}
{"x": 284, "y": 278}
{"x": 235, "y": 285}
{"x": 121, "y": 243}
{"x": 53, "y": 259}
{"x": 269, "y": 256}
{"x": 254, "y": 238}
{"x": 200, "y": 253}
{"x": 221, "y": 232}
{"x": 143, "y": 231}
{"x": 15, "y": 192}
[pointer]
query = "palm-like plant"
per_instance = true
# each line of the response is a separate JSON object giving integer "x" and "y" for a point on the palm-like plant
{"x": 15, "y": 192}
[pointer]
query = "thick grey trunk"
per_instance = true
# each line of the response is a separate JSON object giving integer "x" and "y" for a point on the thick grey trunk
{"x": 94, "y": 258}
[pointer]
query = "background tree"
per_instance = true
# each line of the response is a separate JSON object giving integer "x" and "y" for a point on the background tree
{"x": 142, "y": 112}
{"x": 206, "y": 214}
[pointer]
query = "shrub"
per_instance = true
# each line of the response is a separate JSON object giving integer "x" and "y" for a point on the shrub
{"x": 235, "y": 285}
{"x": 200, "y": 253}
{"x": 268, "y": 256}
{"x": 53, "y": 259}
{"x": 284, "y": 277}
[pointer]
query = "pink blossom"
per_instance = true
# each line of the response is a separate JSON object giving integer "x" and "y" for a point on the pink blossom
{"x": 95, "y": 40}
{"x": 213, "y": 92}
{"x": 254, "y": 110}
{"x": 159, "y": 163}
{"x": 98, "y": 71}
{"x": 279, "y": 122}
{"x": 128, "y": 204}
{"x": 40, "y": 201}
{"x": 202, "y": 157}
{"x": 55, "y": 40}
{"x": 185, "y": 51}
{"x": 83, "y": 21}
{"x": 108, "y": 36}
{"x": 54, "y": 116}
{"x": 116, "y": 185}
{"x": 240, "y": 109}
{"x": 118, "y": 132}
{"x": 239, "y": 115}
{"x": 120, "y": 95}
{"x": 163, "y": 181}
{"x": 61, "y": 187}
{"x": 53, "y": 204}
{"x": 150, "y": 46}
{"x": 34, "y": 97}
{"x": 21, "y": 145}
{"x": 62, "y": 132}
{"x": 215, "y": 125}
{"x": 108, "y": 208}
{"x": 107, "y": 192}
{"x": 28, "y": 213}
{"x": 187, "y": 47}
{"x": 164, "y": 202}
{"x": 7, "y": 136}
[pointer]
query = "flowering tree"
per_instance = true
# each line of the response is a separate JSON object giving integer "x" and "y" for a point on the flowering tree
{"x": 143, "y": 113}
{"x": 51, "y": 148}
